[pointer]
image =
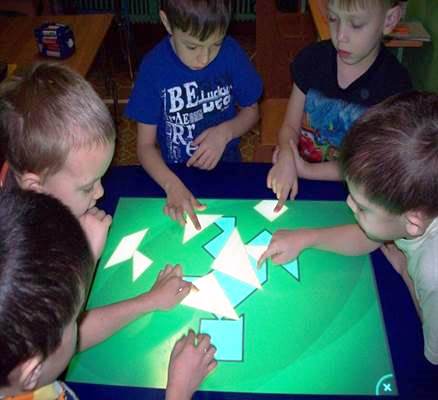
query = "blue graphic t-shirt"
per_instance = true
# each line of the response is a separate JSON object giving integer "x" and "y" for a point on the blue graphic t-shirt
{"x": 182, "y": 103}
{"x": 330, "y": 110}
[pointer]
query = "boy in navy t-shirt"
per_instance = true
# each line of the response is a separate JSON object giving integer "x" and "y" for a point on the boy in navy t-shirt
{"x": 335, "y": 81}
{"x": 195, "y": 95}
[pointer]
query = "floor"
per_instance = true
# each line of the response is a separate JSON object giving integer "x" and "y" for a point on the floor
{"x": 125, "y": 153}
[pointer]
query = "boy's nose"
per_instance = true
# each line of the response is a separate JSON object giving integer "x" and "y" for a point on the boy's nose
{"x": 204, "y": 56}
{"x": 351, "y": 204}
{"x": 98, "y": 191}
{"x": 341, "y": 34}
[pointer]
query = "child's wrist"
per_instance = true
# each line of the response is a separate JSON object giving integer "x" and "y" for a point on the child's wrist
{"x": 175, "y": 393}
{"x": 311, "y": 238}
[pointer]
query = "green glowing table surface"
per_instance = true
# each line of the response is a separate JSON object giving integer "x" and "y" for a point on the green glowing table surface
{"x": 313, "y": 327}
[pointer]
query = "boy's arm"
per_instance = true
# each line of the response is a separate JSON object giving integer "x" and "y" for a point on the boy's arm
{"x": 282, "y": 178}
{"x": 179, "y": 199}
{"x": 212, "y": 141}
{"x": 399, "y": 262}
{"x": 348, "y": 240}
{"x": 325, "y": 171}
{"x": 99, "y": 323}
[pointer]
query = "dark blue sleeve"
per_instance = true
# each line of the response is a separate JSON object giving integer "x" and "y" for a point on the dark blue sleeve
{"x": 247, "y": 84}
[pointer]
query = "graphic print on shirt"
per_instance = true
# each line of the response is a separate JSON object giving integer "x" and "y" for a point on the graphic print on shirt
{"x": 325, "y": 123}
{"x": 189, "y": 109}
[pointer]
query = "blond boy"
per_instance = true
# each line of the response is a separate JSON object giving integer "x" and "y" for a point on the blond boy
{"x": 335, "y": 81}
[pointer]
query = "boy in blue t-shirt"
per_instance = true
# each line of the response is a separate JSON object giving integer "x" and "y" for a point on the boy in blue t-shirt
{"x": 196, "y": 93}
{"x": 335, "y": 81}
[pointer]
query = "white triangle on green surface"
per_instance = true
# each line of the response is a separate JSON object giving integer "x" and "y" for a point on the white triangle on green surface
{"x": 210, "y": 297}
{"x": 126, "y": 248}
{"x": 233, "y": 260}
{"x": 140, "y": 263}
{"x": 204, "y": 219}
{"x": 266, "y": 208}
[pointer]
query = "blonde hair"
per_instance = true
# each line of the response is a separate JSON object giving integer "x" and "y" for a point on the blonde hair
{"x": 350, "y": 5}
{"x": 46, "y": 111}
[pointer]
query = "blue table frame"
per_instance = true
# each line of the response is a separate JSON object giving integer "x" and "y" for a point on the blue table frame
{"x": 416, "y": 377}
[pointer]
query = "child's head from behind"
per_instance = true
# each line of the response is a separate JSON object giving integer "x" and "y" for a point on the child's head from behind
{"x": 390, "y": 161}
{"x": 45, "y": 270}
{"x": 59, "y": 134}
{"x": 357, "y": 27}
{"x": 197, "y": 28}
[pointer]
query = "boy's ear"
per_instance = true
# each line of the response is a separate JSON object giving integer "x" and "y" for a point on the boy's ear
{"x": 26, "y": 375}
{"x": 416, "y": 223}
{"x": 30, "y": 181}
{"x": 165, "y": 22}
{"x": 392, "y": 18}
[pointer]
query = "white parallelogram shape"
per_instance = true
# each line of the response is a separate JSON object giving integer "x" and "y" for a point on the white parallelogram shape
{"x": 126, "y": 248}
{"x": 255, "y": 251}
{"x": 266, "y": 208}
{"x": 140, "y": 263}
{"x": 210, "y": 297}
{"x": 233, "y": 260}
{"x": 204, "y": 219}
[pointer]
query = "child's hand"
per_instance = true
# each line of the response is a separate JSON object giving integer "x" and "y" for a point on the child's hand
{"x": 169, "y": 289}
{"x": 396, "y": 257}
{"x": 282, "y": 179}
{"x": 180, "y": 201}
{"x": 211, "y": 145}
{"x": 285, "y": 245}
{"x": 189, "y": 365}
{"x": 95, "y": 223}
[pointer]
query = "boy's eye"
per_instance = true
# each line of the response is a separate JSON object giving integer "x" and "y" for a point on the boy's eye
{"x": 191, "y": 47}
{"x": 356, "y": 26}
{"x": 331, "y": 18}
{"x": 87, "y": 189}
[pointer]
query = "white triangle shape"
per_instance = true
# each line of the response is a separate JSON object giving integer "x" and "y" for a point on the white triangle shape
{"x": 255, "y": 251}
{"x": 126, "y": 248}
{"x": 140, "y": 263}
{"x": 210, "y": 297}
{"x": 233, "y": 260}
{"x": 204, "y": 219}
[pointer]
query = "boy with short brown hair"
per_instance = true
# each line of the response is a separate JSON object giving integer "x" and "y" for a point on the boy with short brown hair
{"x": 390, "y": 162}
{"x": 46, "y": 269}
{"x": 196, "y": 93}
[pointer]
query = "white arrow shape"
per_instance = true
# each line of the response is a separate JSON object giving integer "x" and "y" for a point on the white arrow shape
{"x": 140, "y": 264}
{"x": 233, "y": 260}
{"x": 126, "y": 248}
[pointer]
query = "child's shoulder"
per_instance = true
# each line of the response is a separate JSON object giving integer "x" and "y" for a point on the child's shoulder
{"x": 231, "y": 46}
{"x": 315, "y": 55}
{"x": 161, "y": 49}
{"x": 322, "y": 48}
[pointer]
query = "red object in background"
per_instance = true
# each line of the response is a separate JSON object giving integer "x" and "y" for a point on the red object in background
{"x": 308, "y": 150}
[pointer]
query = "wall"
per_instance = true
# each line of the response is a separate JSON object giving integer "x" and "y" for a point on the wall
{"x": 423, "y": 62}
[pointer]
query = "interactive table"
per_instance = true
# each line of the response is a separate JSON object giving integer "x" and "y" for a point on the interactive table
{"x": 415, "y": 377}
{"x": 311, "y": 326}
